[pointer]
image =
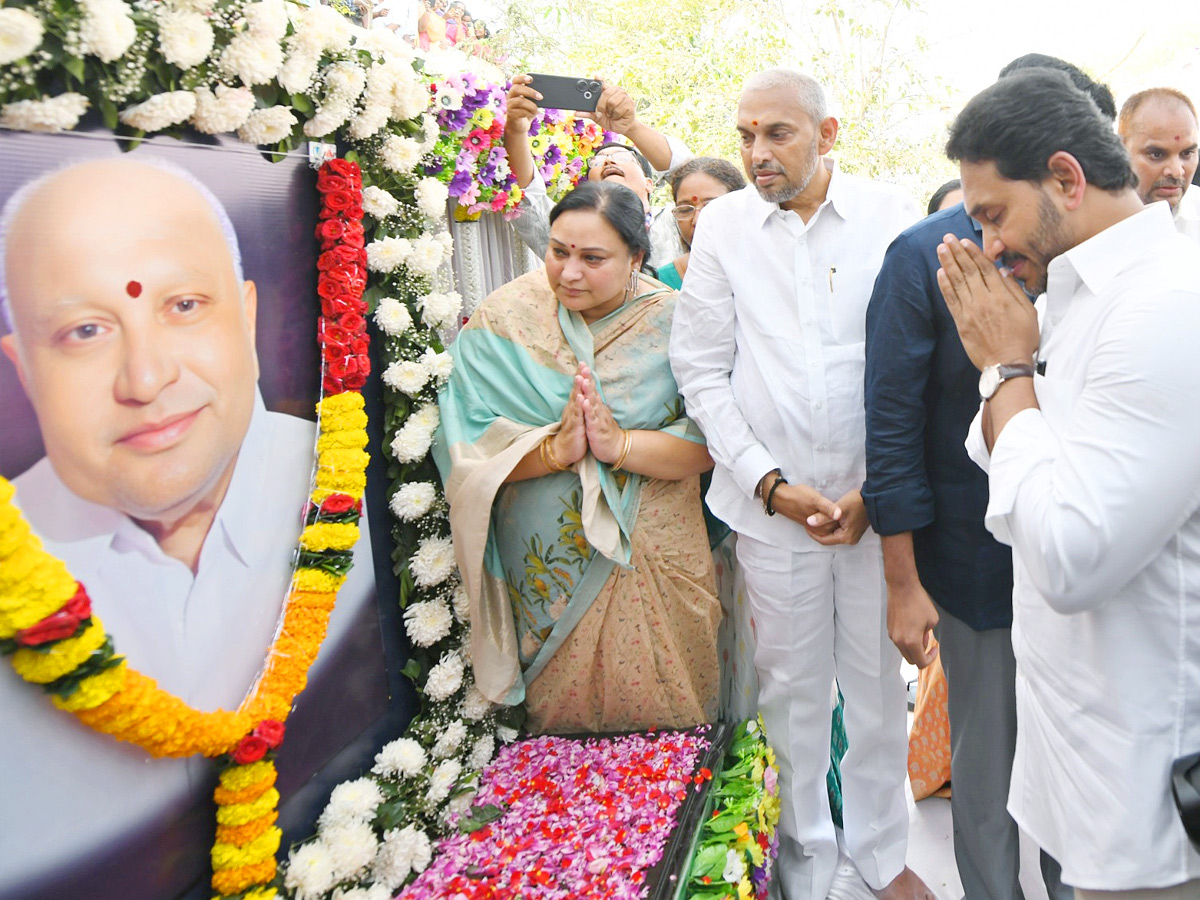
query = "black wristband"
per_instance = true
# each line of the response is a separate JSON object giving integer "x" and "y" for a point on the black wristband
{"x": 771, "y": 494}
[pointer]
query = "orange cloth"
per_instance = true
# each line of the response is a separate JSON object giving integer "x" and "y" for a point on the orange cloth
{"x": 929, "y": 739}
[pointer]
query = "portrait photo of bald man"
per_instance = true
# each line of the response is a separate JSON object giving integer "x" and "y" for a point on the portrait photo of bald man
{"x": 132, "y": 330}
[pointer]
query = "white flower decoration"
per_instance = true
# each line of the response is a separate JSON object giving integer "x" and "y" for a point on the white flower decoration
{"x": 267, "y": 126}
{"x": 351, "y": 801}
{"x": 186, "y": 38}
{"x": 438, "y": 310}
{"x": 475, "y": 706}
{"x": 482, "y": 753}
{"x": 160, "y": 111}
{"x": 253, "y": 59}
{"x": 450, "y": 739}
{"x": 20, "y": 34}
{"x": 432, "y": 562}
{"x": 378, "y": 203}
{"x": 440, "y": 365}
{"x": 387, "y": 254}
{"x": 431, "y": 197}
{"x": 400, "y": 154}
{"x": 107, "y": 30}
{"x": 445, "y": 678}
{"x": 407, "y": 376}
{"x": 352, "y": 847}
{"x": 393, "y": 316}
{"x": 225, "y": 110}
{"x": 310, "y": 871}
{"x": 427, "y": 623}
{"x": 401, "y": 758}
{"x": 413, "y": 500}
{"x": 53, "y": 114}
{"x": 443, "y": 779}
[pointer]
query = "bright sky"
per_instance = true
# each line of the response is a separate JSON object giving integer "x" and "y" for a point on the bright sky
{"x": 1115, "y": 41}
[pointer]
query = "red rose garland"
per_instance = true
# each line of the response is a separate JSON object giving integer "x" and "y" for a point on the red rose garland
{"x": 343, "y": 276}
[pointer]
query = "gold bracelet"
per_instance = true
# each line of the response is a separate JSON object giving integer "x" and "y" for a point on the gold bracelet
{"x": 549, "y": 460}
{"x": 620, "y": 460}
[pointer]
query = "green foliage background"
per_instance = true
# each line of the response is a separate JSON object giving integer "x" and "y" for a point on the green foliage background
{"x": 684, "y": 62}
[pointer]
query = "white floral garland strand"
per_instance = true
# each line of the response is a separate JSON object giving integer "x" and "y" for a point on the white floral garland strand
{"x": 330, "y": 78}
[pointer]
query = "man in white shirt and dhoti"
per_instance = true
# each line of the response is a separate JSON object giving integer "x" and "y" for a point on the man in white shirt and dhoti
{"x": 767, "y": 346}
{"x": 1089, "y": 434}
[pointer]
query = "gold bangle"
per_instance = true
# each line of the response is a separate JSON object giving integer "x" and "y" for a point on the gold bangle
{"x": 549, "y": 460}
{"x": 620, "y": 460}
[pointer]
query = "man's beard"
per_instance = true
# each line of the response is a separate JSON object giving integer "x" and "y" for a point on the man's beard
{"x": 787, "y": 192}
{"x": 1047, "y": 242}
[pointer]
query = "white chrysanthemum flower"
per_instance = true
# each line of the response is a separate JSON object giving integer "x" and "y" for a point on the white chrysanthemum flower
{"x": 376, "y": 891}
{"x": 400, "y": 154}
{"x": 392, "y": 315}
{"x": 388, "y": 253}
{"x": 431, "y": 197}
{"x": 412, "y": 442}
{"x": 107, "y": 30}
{"x": 409, "y": 94}
{"x": 223, "y": 111}
{"x": 475, "y": 706}
{"x": 407, "y": 376}
{"x": 310, "y": 871}
{"x": 352, "y": 847}
{"x": 160, "y": 111}
{"x": 482, "y": 753}
{"x": 461, "y": 605}
{"x": 438, "y": 310}
{"x": 445, "y": 677}
{"x": 323, "y": 28}
{"x": 401, "y": 758}
{"x": 329, "y": 118}
{"x": 429, "y": 132}
{"x": 427, "y": 255}
{"x": 197, "y": 6}
{"x": 426, "y": 417}
{"x": 383, "y": 42}
{"x": 401, "y": 851}
{"x": 443, "y": 779}
{"x": 267, "y": 19}
{"x": 351, "y": 801}
{"x": 461, "y": 803}
{"x": 369, "y": 120}
{"x": 53, "y": 114}
{"x": 427, "y": 623}
{"x": 432, "y": 563}
{"x": 253, "y": 59}
{"x": 440, "y": 365}
{"x": 505, "y": 734}
{"x": 345, "y": 80}
{"x": 267, "y": 126}
{"x": 378, "y": 203}
{"x": 413, "y": 500}
{"x": 299, "y": 70}
{"x": 450, "y": 739}
{"x": 20, "y": 34}
{"x": 185, "y": 38}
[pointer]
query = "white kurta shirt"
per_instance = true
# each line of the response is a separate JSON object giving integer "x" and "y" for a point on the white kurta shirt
{"x": 1187, "y": 213}
{"x": 767, "y": 343}
{"x": 1098, "y": 492}
{"x": 202, "y": 638}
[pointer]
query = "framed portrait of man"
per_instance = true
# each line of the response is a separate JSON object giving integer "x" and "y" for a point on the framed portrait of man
{"x": 158, "y": 393}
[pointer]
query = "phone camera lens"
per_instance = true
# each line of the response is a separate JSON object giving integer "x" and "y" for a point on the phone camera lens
{"x": 581, "y": 85}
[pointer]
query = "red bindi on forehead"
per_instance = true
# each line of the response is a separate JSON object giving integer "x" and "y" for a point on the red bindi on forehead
{"x": 134, "y": 289}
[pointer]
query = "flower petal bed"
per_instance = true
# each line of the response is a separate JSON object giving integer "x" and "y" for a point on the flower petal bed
{"x": 559, "y": 818}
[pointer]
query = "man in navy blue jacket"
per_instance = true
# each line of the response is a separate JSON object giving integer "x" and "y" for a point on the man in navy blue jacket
{"x": 945, "y": 573}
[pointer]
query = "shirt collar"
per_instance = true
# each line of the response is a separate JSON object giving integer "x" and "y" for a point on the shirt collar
{"x": 836, "y": 195}
{"x": 1189, "y": 205}
{"x": 1102, "y": 257}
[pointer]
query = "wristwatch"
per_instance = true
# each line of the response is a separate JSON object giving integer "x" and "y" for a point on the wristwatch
{"x": 992, "y": 377}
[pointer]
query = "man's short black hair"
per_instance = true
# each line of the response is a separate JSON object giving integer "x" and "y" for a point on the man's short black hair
{"x": 1022, "y": 120}
{"x": 1099, "y": 93}
{"x": 642, "y": 161}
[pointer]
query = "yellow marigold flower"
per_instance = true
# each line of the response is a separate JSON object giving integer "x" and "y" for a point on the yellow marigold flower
{"x": 14, "y": 531}
{"x": 7, "y": 491}
{"x": 354, "y": 439}
{"x": 316, "y": 581}
{"x": 241, "y": 813}
{"x": 233, "y": 881}
{"x": 227, "y": 856}
{"x": 352, "y": 483}
{"x": 238, "y": 778}
{"x": 94, "y": 691}
{"x": 42, "y": 667}
{"x": 266, "y": 893}
{"x": 227, "y": 797}
{"x": 239, "y": 835}
{"x": 329, "y": 536}
{"x": 343, "y": 461}
{"x": 342, "y": 412}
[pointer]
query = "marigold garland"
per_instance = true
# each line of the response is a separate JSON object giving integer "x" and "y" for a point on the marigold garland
{"x": 47, "y": 625}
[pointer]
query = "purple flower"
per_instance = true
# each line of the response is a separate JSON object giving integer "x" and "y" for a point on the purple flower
{"x": 554, "y": 154}
{"x": 460, "y": 182}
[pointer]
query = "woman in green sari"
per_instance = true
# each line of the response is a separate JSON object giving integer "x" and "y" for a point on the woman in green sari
{"x": 571, "y": 471}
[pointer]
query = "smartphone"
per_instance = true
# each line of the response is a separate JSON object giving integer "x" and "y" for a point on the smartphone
{"x": 563, "y": 92}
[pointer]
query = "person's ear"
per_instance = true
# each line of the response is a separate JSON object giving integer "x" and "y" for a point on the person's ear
{"x": 8, "y": 344}
{"x": 828, "y": 135}
{"x": 1066, "y": 180}
{"x": 250, "y": 312}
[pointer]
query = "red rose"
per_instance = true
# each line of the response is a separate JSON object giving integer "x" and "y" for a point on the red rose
{"x": 364, "y": 364}
{"x": 338, "y": 200}
{"x": 331, "y": 386}
{"x": 353, "y": 323}
{"x": 338, "y": 503}
{"x": 331, "y": 230}
{"x": 355, "y": 381}
{"x": 353, "y": 240}
{"x": 344, "y": 254}
{"x": 334, "y": 334}
{"x": 332, "y": 307}
{"x": 58, "y": 625}
{"x": 331, "y": 352}
{"x": 250, "y": 749}
{"x": 328, "y": 181}
{"x": 341, "y": 367}
{"x": 360, "y": 345}
{"x": 343, "y": 167}
{"x": 270, "y": 731}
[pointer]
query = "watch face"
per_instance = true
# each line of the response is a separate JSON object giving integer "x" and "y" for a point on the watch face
{"x": 989, "y": 380}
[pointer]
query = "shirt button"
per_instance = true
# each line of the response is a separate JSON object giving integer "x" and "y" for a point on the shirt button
{"x": 818, "y": 405}
{"x": 809, "y": 323}
{"x": 821, "y": 447}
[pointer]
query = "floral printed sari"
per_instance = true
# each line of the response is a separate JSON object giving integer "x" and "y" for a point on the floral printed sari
{"x": 592, "y": 593}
